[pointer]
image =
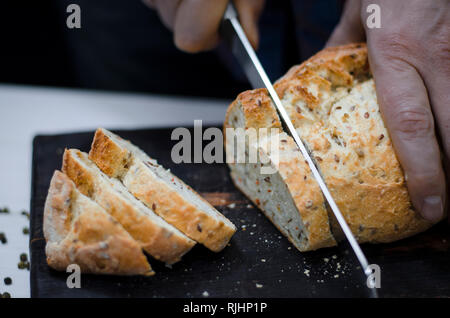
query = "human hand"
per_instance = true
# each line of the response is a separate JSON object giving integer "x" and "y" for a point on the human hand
{"x": 410, "y": 61}
{"x": 195, "y": 23}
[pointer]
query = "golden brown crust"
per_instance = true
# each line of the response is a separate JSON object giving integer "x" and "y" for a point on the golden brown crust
{"x": 160, "y": 242}
{"x": 337, "y": 64}
{"x": 108, "y": 156}
{"x": 164, "y": 200}
{"x": 331, "y": 100}
{"x": 257, "y": 108}
{"x": 78, "y": 231}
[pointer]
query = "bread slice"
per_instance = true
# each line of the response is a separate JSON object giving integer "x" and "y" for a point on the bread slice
{"x": 290, "y": 197}
{"x": 332, "y": 102}
{"x": 160, "y": 190}
{"x": 79, "y": 231}
{"x": 158, "y": 238}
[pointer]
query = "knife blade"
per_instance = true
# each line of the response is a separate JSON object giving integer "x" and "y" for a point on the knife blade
{"x": 233, "y": 34}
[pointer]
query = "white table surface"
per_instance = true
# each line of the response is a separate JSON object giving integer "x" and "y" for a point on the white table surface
{"x": 26, "y": 111}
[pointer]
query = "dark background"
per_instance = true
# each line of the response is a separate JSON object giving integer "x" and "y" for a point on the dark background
{"x": 32, "y": 46}
{"x": 123, "y": 46}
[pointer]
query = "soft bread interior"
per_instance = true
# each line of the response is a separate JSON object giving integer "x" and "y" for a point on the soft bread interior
{"x": 79, "y": 231}
{"x": 165, "y": 176}
{"x": 271, "y": 194}
{"x": 106, "y": 182}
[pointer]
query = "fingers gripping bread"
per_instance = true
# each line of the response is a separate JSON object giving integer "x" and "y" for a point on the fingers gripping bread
{"x": 290, "y": 197}
{"x": 160, "y": 190}
{"x": 79, "y": 231}
{"x": 158, "y": 238}
{"x": 332, "y": 102}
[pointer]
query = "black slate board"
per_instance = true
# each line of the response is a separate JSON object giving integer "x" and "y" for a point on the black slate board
{"x": 258, "y": 263}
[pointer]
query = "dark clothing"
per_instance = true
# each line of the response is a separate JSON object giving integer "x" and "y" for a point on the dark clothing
{"x": 123, "y": 46}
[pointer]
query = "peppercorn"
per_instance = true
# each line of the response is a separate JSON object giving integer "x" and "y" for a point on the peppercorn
{"x": 22, "y": 265}
{"x": 3, "y": 238}
{"x": 4, "y": 210}
{"x": 25, "y": 231}
{"x": 23, "y": 257}
{"x": 8, "y": 281}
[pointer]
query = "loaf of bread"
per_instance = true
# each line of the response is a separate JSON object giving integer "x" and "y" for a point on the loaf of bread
{"x": 79, "y": 231}
{"x": 332, "y": 103}
{"x": 161, "y": 191}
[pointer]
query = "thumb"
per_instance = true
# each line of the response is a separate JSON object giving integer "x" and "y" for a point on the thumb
{"x": 350, "y": 28}
{"x": 249, "y": 12}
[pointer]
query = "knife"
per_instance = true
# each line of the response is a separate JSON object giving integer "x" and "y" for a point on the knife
{"x": 232, "y": 33}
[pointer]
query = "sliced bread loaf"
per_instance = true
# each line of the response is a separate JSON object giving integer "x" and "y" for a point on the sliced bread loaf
{"x": 79, "y": 231}
{"x": 290, "y": 197}
{"x": 332, "y": 102}
{"x": 160, "y": 190}
{"x": 158, "y": 238}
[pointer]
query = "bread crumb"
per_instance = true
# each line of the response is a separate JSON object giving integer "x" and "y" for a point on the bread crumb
{"x": 249, "y": 206}
{"x": 263, "y": 260}
{"x": 232, "y": 205}
{"x": 326, "y": 260}
{"x": 306, "y": 272}
{"x": 259, "y": 285}
{"x": 205, "y": 294}
{"x": 336, "y": 276}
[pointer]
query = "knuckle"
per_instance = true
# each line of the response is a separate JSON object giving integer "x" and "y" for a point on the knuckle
{"x": 413, "y": 122}
{"x": 396, "y": 43}
{"x": 188, "y": 44}
{"x": 425, "y": 179}
{"x": 439, "y": 50}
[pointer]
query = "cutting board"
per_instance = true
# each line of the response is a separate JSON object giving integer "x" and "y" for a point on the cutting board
{"x": 259, "y": 261}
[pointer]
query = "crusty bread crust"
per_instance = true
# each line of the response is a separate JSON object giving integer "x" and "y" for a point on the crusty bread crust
{"x": 331, "y": 100}
{"x": 117, "y": 161}
{"x": 90, "y": 237}
{"x": 160, "y": 242}
{"x": 112, "y": 159}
